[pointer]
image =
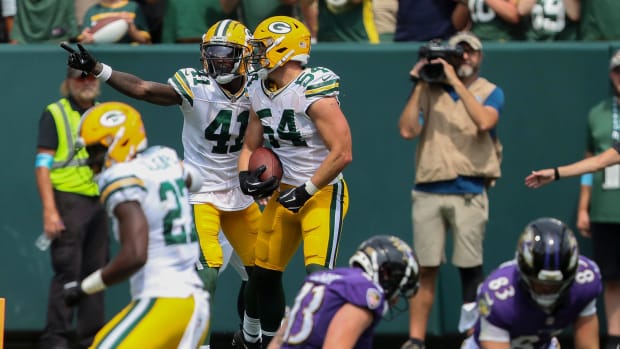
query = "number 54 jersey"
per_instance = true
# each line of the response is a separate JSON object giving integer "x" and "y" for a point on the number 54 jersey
{"x": 155, "y": 180}
{"x": 292, "y": 134}
{"x": 505, "y": 304}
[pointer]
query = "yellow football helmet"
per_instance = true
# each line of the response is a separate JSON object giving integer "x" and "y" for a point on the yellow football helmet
{"x": 277, "y": 40}
{"x": 112, "y": 132}
{"x": 224, "y": 50}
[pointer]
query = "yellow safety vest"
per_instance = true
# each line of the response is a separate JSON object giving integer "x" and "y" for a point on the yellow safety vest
{"x": 69, "y": 171}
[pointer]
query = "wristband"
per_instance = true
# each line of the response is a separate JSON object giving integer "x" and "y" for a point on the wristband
{"x": 105, "y": 73}
{"x": 556, "y": 174}
{"x": 93, "y": 283}
{"x": 43, "y": 160}
{"x": 586, "y": 179}
{"x": 311, "y": 188}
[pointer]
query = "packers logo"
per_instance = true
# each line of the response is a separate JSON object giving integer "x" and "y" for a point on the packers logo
{"x": 280, "y": 27}
{"x": 112, "y": 118}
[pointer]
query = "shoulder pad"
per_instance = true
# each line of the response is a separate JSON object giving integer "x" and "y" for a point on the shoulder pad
{"x": 185, "y": 79}
{"x": 118, "y": 177}
{"x": 319, "y": 81}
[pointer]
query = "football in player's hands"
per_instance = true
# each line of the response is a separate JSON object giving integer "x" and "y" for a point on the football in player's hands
{"x": 265, "y": 156}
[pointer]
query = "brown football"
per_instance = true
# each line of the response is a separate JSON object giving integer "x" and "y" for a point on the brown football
{"x": 265, "y": 156}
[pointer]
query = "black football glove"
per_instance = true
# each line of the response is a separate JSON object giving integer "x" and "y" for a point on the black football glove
{"x": 295, "y": 198}
{"x": 82, "y": 60}
{"x": 252, "y": 185}
{"x": 72, "y": 293}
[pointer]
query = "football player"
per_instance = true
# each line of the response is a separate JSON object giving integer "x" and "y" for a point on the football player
{"x": 215, "y": 113}
{"x": 145, "y": 193}
{"x": 296, "y": 109}
{"x": 526, "y": 302}
{"x": 341, "y": 308}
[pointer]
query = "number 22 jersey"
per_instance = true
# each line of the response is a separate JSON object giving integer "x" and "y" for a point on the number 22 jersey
{"x": 155, "y": 180}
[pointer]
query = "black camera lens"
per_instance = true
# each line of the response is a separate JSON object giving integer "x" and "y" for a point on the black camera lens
{"x": 432, "y": 72}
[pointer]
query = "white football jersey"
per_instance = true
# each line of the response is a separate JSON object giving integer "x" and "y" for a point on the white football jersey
{"x": 213, "y": 130}
{"x": 155, "y": 180}
{"x": 287, "y": 127}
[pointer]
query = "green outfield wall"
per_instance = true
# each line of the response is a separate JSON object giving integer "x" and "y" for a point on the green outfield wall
{"x": 548, "y": 87}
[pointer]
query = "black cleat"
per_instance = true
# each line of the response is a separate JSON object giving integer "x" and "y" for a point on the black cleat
{"x": 238, "y": 342}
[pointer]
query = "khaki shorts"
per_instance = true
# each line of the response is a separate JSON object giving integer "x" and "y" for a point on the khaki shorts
{"x": 433, "y": 215}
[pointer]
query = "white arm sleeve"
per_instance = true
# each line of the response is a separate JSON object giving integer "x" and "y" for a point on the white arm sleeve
{"x": 589, "y": 309}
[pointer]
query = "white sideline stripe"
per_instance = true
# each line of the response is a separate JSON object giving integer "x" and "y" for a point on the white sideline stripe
{"x": 128, "y": 321}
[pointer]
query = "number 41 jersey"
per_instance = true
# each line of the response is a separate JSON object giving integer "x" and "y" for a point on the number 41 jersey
{"x": 155, "y": 180}
{"x": 286, "y": 125}
{"x": 213, "y": 128}
{"x": 504, "y": 303}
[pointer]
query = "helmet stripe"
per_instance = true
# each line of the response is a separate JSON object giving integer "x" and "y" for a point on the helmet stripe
{"x": 223, "y": 27}
{"x": 552, "y": 250}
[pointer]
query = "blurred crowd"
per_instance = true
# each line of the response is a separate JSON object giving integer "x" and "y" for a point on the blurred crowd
{"x": 376, "y": 21}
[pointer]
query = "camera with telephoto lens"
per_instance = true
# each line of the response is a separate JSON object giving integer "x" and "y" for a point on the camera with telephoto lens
{"x": 433, "y": 72}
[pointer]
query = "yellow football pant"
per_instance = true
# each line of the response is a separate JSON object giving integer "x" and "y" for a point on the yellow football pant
{"x": 157, "y": 323}
{"x": 318, "y": 223}
{"x": 240, "y": 228}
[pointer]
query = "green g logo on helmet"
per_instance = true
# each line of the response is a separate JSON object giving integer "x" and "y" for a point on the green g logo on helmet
{"x": 280, "y": 27}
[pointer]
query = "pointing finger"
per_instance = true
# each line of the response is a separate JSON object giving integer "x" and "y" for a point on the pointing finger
{"x": 67, "y": 47}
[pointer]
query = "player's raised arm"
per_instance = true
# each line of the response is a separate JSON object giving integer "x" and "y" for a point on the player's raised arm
{"x": 125, "y": 83}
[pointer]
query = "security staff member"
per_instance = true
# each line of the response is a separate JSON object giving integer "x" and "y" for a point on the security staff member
{"x": 72, "y": 214}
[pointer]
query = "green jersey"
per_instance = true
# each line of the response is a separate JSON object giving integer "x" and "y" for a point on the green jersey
{"x": 604, "y": 206}
{"x": 354, "y": 22}
{"x": 44, "y": 21}
{"x": 548, "y": 21}
{"x": 127, "y": 8}
{"x": 487, "y": 25}
{"x": 599, "y": 20}
{"x": 189, "y": 19}
{"x": 252, "y": 12}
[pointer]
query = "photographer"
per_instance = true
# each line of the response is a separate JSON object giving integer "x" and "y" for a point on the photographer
{"x": 458, "y": 158}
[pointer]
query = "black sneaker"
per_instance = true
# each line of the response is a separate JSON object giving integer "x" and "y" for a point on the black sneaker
{"x": 238, "y": 342}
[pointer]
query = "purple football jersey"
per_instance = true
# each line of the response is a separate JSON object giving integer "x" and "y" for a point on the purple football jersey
{"x": 505, "y": 303}
{"x": 321, "y": 296}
